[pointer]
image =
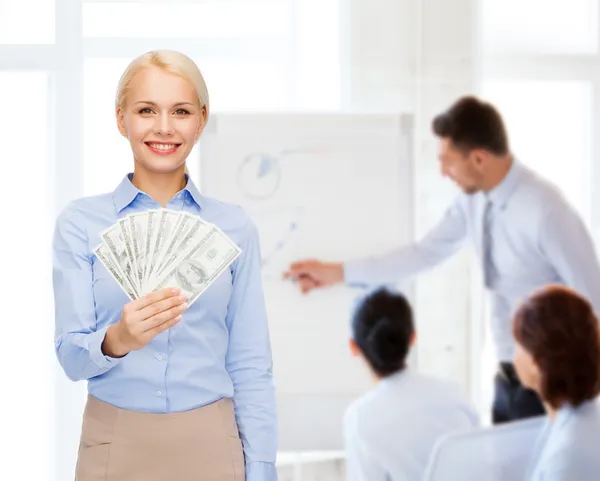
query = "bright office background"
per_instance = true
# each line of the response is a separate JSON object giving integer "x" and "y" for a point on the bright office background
{"x": 60, "y": 60}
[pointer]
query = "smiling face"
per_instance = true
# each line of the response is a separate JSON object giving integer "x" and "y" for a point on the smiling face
{"x": 162, "y": 119}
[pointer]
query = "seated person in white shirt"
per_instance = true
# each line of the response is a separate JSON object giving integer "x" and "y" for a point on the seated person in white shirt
{"x": 390, "y": 431}
{"x": 558, "y": 356}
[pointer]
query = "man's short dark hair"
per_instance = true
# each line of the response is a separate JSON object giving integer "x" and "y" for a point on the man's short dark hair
{"x": 472, "y": 124}
{"x": 558, "y": 327}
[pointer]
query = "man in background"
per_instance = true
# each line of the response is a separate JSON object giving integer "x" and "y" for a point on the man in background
{"x": 523, "y": 230}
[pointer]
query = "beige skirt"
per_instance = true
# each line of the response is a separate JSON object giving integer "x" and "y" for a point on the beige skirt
{"x": 198, "y": 445}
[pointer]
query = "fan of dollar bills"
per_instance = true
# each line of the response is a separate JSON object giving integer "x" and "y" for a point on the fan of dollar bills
{"x": 160, "y": 248}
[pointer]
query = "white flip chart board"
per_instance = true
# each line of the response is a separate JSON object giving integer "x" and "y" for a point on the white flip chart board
{"x": 327, "y": 186}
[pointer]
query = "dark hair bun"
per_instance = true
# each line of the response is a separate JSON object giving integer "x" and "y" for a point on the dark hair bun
{"x": 382, "y": 328}
{"x": 384, "y": 343}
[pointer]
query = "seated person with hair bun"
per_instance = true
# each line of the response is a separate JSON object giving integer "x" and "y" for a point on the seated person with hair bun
{"x": 558, "y": 356}
{"x": 390, "y": 432}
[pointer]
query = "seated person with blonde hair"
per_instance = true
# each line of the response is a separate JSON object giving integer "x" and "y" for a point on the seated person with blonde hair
{"x": 390, "y": 431}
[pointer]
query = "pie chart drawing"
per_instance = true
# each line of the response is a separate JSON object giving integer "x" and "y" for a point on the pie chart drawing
{"x": 259, "y": 175}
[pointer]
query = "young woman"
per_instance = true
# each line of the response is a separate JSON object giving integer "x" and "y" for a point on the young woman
{"x": 174, "y": 393}
{"x": 558, "y": 356}
{"x": 391, "y": 431}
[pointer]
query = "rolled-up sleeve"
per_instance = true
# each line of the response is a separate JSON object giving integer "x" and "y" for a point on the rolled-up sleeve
{"x": 77, "y": 341}
{"x": 249, "y": 362}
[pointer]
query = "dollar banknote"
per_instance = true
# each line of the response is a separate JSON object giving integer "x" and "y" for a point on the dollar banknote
{"x": 196, "y": 230}
{"x": 114, "y": 240}
{"x": 103, "y": 253}
{"x": 158, "y": 248}
{"x": 201, "y": 265}
{"x": 165, "y": 227}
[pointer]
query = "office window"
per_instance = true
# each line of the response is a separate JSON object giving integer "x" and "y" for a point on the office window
{"x": 540, "y": 26}
{"x": 190, "y": 20}
{"x": 549, "y": 125}
{"x": 318, "y": 51}
{"x": 27, "y": 373}
{"x": 19, "y": 26}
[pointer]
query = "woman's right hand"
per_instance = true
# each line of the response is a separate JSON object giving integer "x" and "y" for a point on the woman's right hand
{"x": 142, "y": 320}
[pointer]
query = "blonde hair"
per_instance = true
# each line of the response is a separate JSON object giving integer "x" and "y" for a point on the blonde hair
{"x": 170, "y": 61}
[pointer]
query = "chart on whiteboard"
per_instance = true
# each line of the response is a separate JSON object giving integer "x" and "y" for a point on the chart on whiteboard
{"x": 258, "y": 177}
{"x": 311, "y": 191}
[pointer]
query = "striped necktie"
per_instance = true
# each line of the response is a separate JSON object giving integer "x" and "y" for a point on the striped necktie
{"x": 489, "y": 269}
